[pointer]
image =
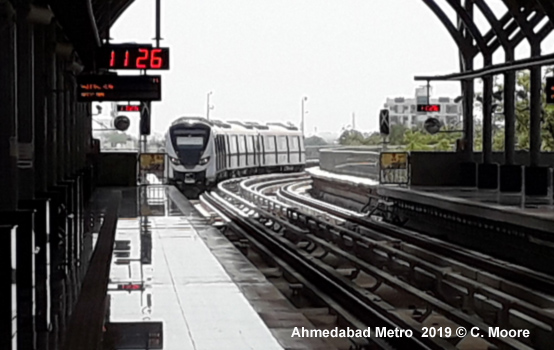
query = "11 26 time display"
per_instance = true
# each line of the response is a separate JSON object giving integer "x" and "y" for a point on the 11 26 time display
{"x": 134, "y": 57}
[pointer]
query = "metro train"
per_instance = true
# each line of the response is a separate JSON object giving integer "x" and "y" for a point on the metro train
{"x": 203, "y": 152}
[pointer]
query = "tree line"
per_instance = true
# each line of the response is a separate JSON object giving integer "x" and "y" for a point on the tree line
{"x": 416, "y": 139}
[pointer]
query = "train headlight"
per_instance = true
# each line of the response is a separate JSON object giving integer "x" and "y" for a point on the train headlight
{"x": 175, "y": 161}
{"x": 204, "y": 161}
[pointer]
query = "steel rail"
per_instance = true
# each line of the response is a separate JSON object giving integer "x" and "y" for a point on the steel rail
{"x": 395, "y": 255}
{"x": 532, "y": 279}
{"x": 288, "y": 256}
{"x": 484, "y": 284}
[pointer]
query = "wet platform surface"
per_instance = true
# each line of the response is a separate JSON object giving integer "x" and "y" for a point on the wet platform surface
{"x": 206, "y": 293}
{"x": 185, "y": 286}
{"x": 537, "y": 213}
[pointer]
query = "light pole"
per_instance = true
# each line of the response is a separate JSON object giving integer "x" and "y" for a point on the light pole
{"x": 304, "y": 99}
{"x": 208, "y": 107}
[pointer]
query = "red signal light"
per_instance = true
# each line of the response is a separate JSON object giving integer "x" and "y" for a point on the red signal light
{"x": 129, "y": 286}
{"x": 428, "y": 108}
{"x": 128, "y": 108}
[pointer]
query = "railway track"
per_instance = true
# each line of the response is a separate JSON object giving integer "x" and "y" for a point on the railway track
{"x": 379, "y": 275}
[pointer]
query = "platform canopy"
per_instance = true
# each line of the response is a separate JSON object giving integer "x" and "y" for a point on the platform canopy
{"x": 86, "y": 22}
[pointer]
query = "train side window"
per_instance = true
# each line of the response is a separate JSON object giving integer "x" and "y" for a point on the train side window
{"x": 269, "y": 143}
{"x": 282, "y": 144}
{"x": 293, "y": 142}
{"x": 242, "y": 144}
{"x": 218, "y": 151}
{"x": 233, "y": 144}
{"x": 227, "y": 148}
{"x": 250, "y": 144}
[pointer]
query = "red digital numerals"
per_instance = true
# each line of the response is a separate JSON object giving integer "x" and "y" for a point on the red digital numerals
{"x": 429, "y": 108}
{"x": 142, "y": 58}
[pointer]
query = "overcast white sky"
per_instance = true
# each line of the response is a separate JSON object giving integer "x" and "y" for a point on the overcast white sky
{"x": 260, "y": 57}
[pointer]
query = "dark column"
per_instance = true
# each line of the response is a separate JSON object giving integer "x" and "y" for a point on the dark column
{"x": 468, "y": 168}
{"x": 509, "y": 113}
{"x": 487, "y": 119}
{"x": 536, "y": 177}
{"x": 25, "y": 105}
{"x": 468, "y": 92}
{"x": 535, "y": 123}
{"x": 74, "y": 148}
{"x": 60, "y": 116}
{"x": 68, "y": 117}
{"x": 8, "y": 119}
{"x": 41, "y": 125}
{"x": 487, "y": 172}
{"x": 511, "y": 178}
{"x": 51, "y": 101}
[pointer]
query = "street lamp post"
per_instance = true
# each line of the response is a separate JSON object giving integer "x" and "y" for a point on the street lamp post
{"x": 208, "y": 107}
{"x": 304, "y": 99}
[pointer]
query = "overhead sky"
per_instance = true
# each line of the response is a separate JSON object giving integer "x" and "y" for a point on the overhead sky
{"x": 259, "y": 58}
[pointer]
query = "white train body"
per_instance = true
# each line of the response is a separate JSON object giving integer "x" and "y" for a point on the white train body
{"x": 202, "y": 152}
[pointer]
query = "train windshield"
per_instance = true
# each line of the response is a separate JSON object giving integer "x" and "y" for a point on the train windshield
{"x": 189, "y": 142}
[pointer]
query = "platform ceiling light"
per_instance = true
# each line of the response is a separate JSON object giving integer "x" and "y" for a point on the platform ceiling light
{"x": 40, "y": 15}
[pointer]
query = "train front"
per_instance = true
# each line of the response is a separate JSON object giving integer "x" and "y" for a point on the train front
{"x": 190, "y": 149}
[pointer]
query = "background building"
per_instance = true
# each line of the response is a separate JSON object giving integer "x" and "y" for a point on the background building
{"x": 404, "y": 110}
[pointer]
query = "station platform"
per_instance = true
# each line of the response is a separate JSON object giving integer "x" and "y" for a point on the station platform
{"x": 188, "y": 285}
{"x": 515, "y": 209}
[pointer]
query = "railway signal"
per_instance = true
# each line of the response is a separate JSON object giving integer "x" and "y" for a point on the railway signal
{"x": 384, "y": 122}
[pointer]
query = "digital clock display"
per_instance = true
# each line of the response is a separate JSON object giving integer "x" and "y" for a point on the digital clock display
{"x": 128, "y": 108}
{"x": 428, "y": 108}
{"x": 134, "y": 57}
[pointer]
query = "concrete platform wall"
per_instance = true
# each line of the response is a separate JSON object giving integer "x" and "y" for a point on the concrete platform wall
{"x": 442, "y": 168}
{"x": 355, "y": 161}
{"x": 427, "y": 168}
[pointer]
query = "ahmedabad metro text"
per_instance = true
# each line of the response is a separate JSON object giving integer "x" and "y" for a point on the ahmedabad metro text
{"x": 426, "y": 332}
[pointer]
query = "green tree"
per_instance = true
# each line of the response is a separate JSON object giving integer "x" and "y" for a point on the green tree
{"x": 443, "y": 145}
{"x": 351, "y": 138}
{"x": 523, "y": 87}
{"x": 373, "y": 139}
{"x": 396, "y": 135}
{"x": 415, "y": 141}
